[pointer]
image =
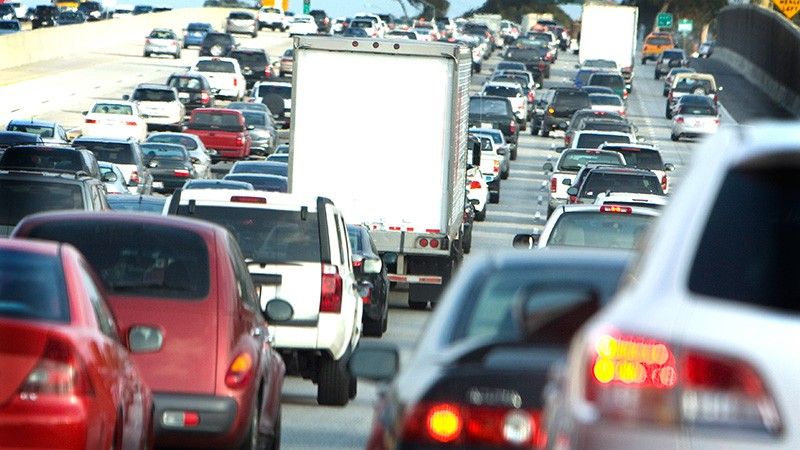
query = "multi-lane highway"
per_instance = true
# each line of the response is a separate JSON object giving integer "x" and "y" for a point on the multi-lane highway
{"x": 63, "y": 88}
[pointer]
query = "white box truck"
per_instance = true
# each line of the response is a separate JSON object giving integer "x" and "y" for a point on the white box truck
{"x": 380, "y": 128}
{"x": 609, "y": 32}
{"x": 530, "y": 19}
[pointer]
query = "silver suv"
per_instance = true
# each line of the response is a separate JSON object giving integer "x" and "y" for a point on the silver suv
{"x": 242, "y": 22}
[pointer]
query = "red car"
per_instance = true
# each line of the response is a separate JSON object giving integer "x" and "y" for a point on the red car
{"x": 181, "y": 290}
{"x": 223, "y": 130}
{"x": 66, "y": 379}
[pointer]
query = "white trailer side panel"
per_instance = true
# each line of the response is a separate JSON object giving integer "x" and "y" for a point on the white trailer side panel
{"x": 608, "y": 32}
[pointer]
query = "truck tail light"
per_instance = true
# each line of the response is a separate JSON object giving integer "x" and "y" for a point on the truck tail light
{"x": 240, "y": 371}
{"x": 147, "y": 41}
{"x": 330, "y": 297}
{"x": 553, "y": 184}
{"x": 664, "y": 183}
{"x": 567, "y": 140}
{"x": 637, "y": 379}
{"x": 235, "y": 82}
{"x": 496, "y": 166}
{"x": 59, "y": 372}
{"x": 181, "y": 173}
{"x": 268, "y": 72}
{"x": 130, "y": 123}
{"x": 90, "y": 121}
{"x": 474, "y": 184}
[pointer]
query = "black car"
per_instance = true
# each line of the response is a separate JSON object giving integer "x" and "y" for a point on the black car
{"x": 170, "y": 165}
{"x": 142, "y": 9}
{"x": 12, "y": 138}
{"x": 261, "y": 167}
{"x": 260, "y": 181}
{"x": 70, "y": 18}
{"x": 137, "y": 203}
{"x": 50, "y": 158}
{"x": 254, "y": 63}
{"x": 494, "y": 112}
{"x": 368, "y": 266}
{"x": 322, "y": 20}
{"x": 531, "y": 58}
{"x": 93, "y": 11}
{"x": 194, "y": 90}
{"x": 44, "y": 16}
{"x": 217, "y": 44}
{"x": 478, "y": 375}
{"x": 563, "y": 104}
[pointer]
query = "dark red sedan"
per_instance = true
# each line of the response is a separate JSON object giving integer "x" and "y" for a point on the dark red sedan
{"x": 183, "y": 296}
{"x": 66, "y": 378}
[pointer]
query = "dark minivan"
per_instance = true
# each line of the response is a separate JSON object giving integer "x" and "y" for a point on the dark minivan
{"x": 254, "y": 63}
{"x": 217, "y": 44}
{"x": 194, "y": 90}
{"x": 494, "y": 112}
{"x": 564, "y": 103}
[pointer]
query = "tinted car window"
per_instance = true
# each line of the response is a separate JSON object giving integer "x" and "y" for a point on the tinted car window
{"x": 269, "y": 236}
{"x": 644, "y": 159}
{"x": 489, "y": 107}
{"x": 217, "y": 38}
{"x": 43, "y": 159}
{"x": 32, "y": 287}
{"x": 571, "y": 99}
{"x": 591, "y": 140}
{"x": 255, "y": 118}
{"x": 270, "y": 183}
{"x": 138, "y": 259}
{"x": 153, "y": 95}
{"x": 574, "y": 160}
{"x": 597, "y": 182}
{"x": 19, "y": 198}
{"x": 603, "y": 99}
{"x": 111, "y": 108}
{"x": 185, "y": 83}
{"x": 267, "y": 89}
{"x": 658, "y": 41}
{"x": 608, "y": 80}
{"x": 250, "y": 58}
{"x": 161, "y": 34}
{"x": 240, "y": 16}
{"x": 754, "y": 219}
{"x": 215, "y": 66}
{"x": 9, "y": 25}
{"x": 197, "y": 27}
{"x": 189, "y": 143}
{"x": 500, "y": 91}
{"x": 215, "y": 121}
{"x": 162, "y": 152}
{"x": 599, "y": 230}
{"x": 672, "y": 54}
{"x": 262, "y": 168}
{"x": 110, "y": 152}
{"x": 522, "y": 54}
{"x": 43, "y": 131}
{"x": 619, "y": 127}
{"x": 697, "y": 110}
{"x": 695, "y": 86}
{"x": 136, "y": 203}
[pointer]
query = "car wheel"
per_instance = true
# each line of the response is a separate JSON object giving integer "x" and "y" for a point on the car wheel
{"x": 480, "y": 216}
{"x": 504, "y": 175}
{"x": 334, "y": 382}
{"x": 545, "y": 131}
{"x": 146, "y": 54}
{"x": 352, "y": 388}
{"x": 373, "y": 327}
{"x": 656, "y": 76}
{"x": 675, "y": 138}
{"x": 664, "y": 93}
{"x": 644, "y": 61}
{"x": 494, "y": 197}
{"x": 274, "y": 441}
{"x": 668, "y": 113}
{"x": 254, "y": 440}
{"x": 254, "y": 34}
{"x": 514, "y": 154}
{"x": 177, "y": 55}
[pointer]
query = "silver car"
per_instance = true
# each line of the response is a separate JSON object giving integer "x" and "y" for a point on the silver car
{"x": 242, "y": 22}
{"x": 162, "y": 41}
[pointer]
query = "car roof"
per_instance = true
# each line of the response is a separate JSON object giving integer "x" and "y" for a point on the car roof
{"x": 628, "y": 147}
{"x": 36, "y": 122}
{"x": 274, "y": 200}
{"x": 31, "y": 246}
{"x": 635, "y": 210}
{"x": 157, "y": 86}
{"x": 103, "y": 139}
{"x": 215, "y": 58}
{"x": 506, "y": 84}
{"x": 622, "y": 170}
{"x": 273, "y": 83}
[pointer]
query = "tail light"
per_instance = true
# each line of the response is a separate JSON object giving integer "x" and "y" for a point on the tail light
{"x": 330, "y": 296}
{"x": 181, "y": 173}
{"x": 624, "y": 95}
{"x": 204, "y": 98}
{"x": 716, "y": 97}
{"x": 664, "y": 183}
{"x": 464, "y": 426}
{"x": 59, "y": 371}
{"x": 130, "y": 123}
{"x": 475, "y": 184}
{"x": 553, "y": 184}
{"x": 679, "y": 119}
{"x": 567, "y": 140}
{"x": 422, "y": 242}
{"x": 268, "y": 72}
{"x": 91, "y": 121}
{"x": 496, "y": 166}
{"x": 513, "y": 126}
{"x": 531, "y": 96}
{"x": 635, "y": 378}
{"x": 235, "y": 82}
{"x": 239, "y": 140}
{"x": 240, "y": 371}
{"x": 135, "y": 177}
{"x": 573, "y": 199}
{"x": 542, "y": 66}
{"x": 548, "y": 56}
{"x": 616, "y": 209}
{"x": 717, "y": 121}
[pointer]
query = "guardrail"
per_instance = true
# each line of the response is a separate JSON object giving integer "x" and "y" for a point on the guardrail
{"x": 763, "y": 46}
{"x": 44, "y": 44}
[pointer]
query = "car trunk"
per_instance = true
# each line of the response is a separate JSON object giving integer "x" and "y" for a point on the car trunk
{"x": 18, "y": 356}
{"x": 156, "y": 109}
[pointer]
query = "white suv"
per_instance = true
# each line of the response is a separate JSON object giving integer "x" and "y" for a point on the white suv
{"x": 272, "y": 18}
{"x": 223, "y": 74}
{"x": 697, "y": 350}
{"x": 298, "y": 253}
{"x": 159, "y": 105}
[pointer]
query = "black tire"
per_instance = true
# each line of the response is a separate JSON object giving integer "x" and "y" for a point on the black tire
{"x": 668, "y": 113}
{"x": 334, "y": 382}
{"x": 467, "y": 245}
{"x": 644, "y": 61}
{"x": 254, "y": 34}
{"x": 545, "y": 132}
{"x": 352, "y": 388}
{"x": 373, "y": 327}
{"x": 675, "y": 138}
{"x": 656, "y": 76}
{"x": 385, "y": 324}
{"x": 419, "y": 306}
{"x": 480, "y": 216}
{"x": 177, "y": 55}
{"x": 494, "y": 197}
{"x": 274, "y": 441}
{"x": 146, "y": 54}
{"x": 254, "y": 440}
{"x": 549, "y": 211}
{"x": 664, "y": 93}
{"x": 504, "y": 175}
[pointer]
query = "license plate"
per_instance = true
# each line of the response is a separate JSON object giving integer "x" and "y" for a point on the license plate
{"x": 486, "y": 125}
{"x": 158, "y": 185}
{"x": 183, "y": 95}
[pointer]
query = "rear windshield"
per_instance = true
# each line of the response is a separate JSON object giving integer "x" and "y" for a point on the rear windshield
{"x": 361, "y": 24}
{"x": 489, "y": 107}
{"x": 197, "y": 27}
{"x": 112, "y": 108}
{"x": 500, "y": 91}
{"x": 265, "y": 235}
{"x": 271, "y": 10}
{"x": 583, "y": 76}
{"x": 185, "y": 83}
{"x": 522, "y": 54}
{"x": 42, "y": 159}
{"x": 110, "y": 152}
{"x": 598, "y": 182}
{"x": 643, "y": 159}
{"x": 158, "y": 34}
{"x": 660, "y": 41}
{"x": 19, "y": 198}
{"x": 255, "y": 118}
{"x": 506, "y": 65}
{"x": 138, "y": 259}
{"x": 212, "y": 39}
{"x": 697, "y": 110}
{"x": 599, "y": 230}
{"x": 619, "y": 127}
{"x": 43, "y": 131}
{"x": 161, "y": 152}
{"x": 240, "y": 16}
{"x": 754, "y": 219}
{"x": 609, "y": 80}
{"x": 672, "y": 54}
{"x": 9, "y": 25}
{"x": 266, "y": 89}
{"x": 592, "y": 140}
{"x": 263, "y": 168}
{"x": 251, "y": 59}
{"x": 215, "y": 66}
{"x": 214, "y": 121}
{"x": 136, "y": 203}
{"x": 572, "y": 160}
{"x": 32, "y": 287}
{"x": 609, "y": 100}
{"x": 571, "y": 99}
{"x": 270, "y": 183}
{"x": 189, "y": 143}
{"x": 153, "y": 95}
{"x": 695, "y": 86}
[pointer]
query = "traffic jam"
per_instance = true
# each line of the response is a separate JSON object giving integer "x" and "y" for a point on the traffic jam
{"x": 172, "y": 263}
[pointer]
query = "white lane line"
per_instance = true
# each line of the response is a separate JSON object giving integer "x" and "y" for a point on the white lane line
{"x": 516, "y": 215}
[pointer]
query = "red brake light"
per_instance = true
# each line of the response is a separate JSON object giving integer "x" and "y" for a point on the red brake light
{"x": 330, "y": 297}
{"x": 475, "y": 184}
{"x": 616, "y": 209}
{"x": 513, "y": 126}
{"x": 59, "y": 371}
{"x": 239, "y": 371}
{"x": 181, "y": 173}
{"x": 553, "y": 184}
{"x": 135, "y": 177}
{"x": 434, "y": 243}
{"x": 531, "y": 96}
{"x": 204, "y": 98}
{"x": 130, "y": 123}
{"x": 247, "y": 199}
{"x": 679, "y": 119}
{"x": 91, "y": 121}
{"x": 664, "y": 182}
{"x": 235, "y": 82}
{"x": 423, "y": 242}
{"x": 496, "y": 166}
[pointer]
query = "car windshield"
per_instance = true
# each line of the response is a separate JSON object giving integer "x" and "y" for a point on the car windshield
{"x": 594, "y": 140}
{"x": 20, "y": 198}
{"x": 255, "y": 118}
{"x": 153, "y": 95}
{"x": 266, "y": 235}
{"x": 697, "y": 110}
{"x": 281, "y": 90}
{"x": 187, "y": 142}
{"x": 215, "y": 66}
{"x": 660, "y": 41}
{"x": 109, "y": 151}
{"x": 138, "y": 259}
{"x": 112, "y": 108}
{"x": 240, "y": 16}
{"x": 41, "y": 130}
{"x": 265, "y": 168}
{"x": 573, "y": 160}
{"x": 32, "y": 287}
{"x": 609, "y": 80}
{"x": 642, "y": 159}
{"x": 185, "y": 83}
{"x": 164, "y": 152}
{"x": 251, "y": 59}
{"x": 598, "y": 182}
{"x": 215, "y": 121}
{"x": 599, "y": 230}
{"x": 161, "y": 34}
{"x": 489, "y": 107}
{"x": 605, "y": 99}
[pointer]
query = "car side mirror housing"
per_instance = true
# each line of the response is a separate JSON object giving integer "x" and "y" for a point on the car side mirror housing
{"x": 373, "y": 265}
{"x": 109, "y": 177}
{"x": 669, "y": 167}
{"x": 375, "y": 361}
{"x": 547, "y": 167}
{"x": 572, "y": 191}
{"x": 145, "y": 339}
{"x": 152, "y": 164}
{"x": 567, "y": 181}
{"x": 126, "y": 97}
{"x": 85, "y": 112}
{"x": 251, "y": 127}
{"x": 525, "y": 241}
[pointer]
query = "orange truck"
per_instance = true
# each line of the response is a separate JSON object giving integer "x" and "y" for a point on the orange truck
{"x": 654, "y": 44}
{"x": 284, "y": 4}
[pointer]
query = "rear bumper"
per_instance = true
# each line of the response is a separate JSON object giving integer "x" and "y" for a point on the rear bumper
{"x": 327, "y": 333}
{"x": 220, "y": 422}
{"x": 555, "y": 123}
{"x": 50, "y": 424}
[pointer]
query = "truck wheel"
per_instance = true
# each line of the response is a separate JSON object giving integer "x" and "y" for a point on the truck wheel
{"x": 373, "y": 327}
{"x": 480, "y": 216}
{"x": 334, "y": 382}
{"x": 352, "y": 388}
{"x": 494, "y": 197}
{"x": 417, "y": 305}
{"x": 504, "y": 175}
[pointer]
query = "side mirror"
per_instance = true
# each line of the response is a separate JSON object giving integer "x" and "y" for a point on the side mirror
{"x": 144, "y": 116}
{"x": 194, "y": 160}
{"x": 526, "y": 241}
{"x": 567, "y": 181}
{"x": 278, "y": 310}
{"x": 372, "y": 266}
{"x": 572, "y": 191}
{"x": 144, "y": 338}
{"x": 474, "y": 201}
{"x": 669, "y": 167}
{"x": 559, "y": 149}
{"x": 109, "y": 177}
{"x": 85, "y": 112}
{"x": 502, "y": 151}
{"x": 547, "y": 167}
{"x": 251, "y": 127}
{"x": 577, "y": 66}
{"x": 720, "y": 89}
{"x": 375, "y": 361}
{"x": 546, "y": 314}
{"x": 126, "y": 97}
{"x": 152, "y": 164}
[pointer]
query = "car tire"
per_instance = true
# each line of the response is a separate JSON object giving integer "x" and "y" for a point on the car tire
{"x": 675, "y": 138}
{"x": 253, "y": 439}
{"x": 334, "y": 382}
{"x": 373, "y": 327}
{"x": 504, "y": 175}
{"x": 274, "y": 441}
{"x": 664, "y": 93}
{"x": 656, "y": 76}
{"x": 668, "y": 113}
{"x": 177, "y": 55}
{"x": 254, "y": 34}
{"x": 415, "y": 305}
{"x": 352, "y": 388}
{"x": 514, "y": 153}
{"x": 545, "y": 132}
{"x": 549, "y": 212}
{"x": 480, "y": 216}
{"x": 494, "y": 197}
{"x": 146, "y": 54}
{"x": 644, "y": 61}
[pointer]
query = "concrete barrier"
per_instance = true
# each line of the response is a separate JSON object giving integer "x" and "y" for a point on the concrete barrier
{"x": 45, "y": 44}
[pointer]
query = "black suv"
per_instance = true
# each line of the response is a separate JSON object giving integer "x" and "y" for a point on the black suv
{"x": 126, "y": 154}
{"x": 217, "y": 44}
{"x": 194, "y": 90}
{"x": 44, "y": 16}
{"x": 563, "y": 104}
{"x": 254, "y": 63}
{"x": 495, "y": 112}
{"x": 322, "y": 20}
{"x": 50, "y": 158}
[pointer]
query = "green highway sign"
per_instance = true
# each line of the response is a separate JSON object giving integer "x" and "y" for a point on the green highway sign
{"x": 685, "y": 26}
{"x": 664, "y": 20}
{"x": 306, "y": 6}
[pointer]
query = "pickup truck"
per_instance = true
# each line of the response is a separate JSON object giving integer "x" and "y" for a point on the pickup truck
{"x": 223, "y": 130}
{"x": 224, "y": 75}
{"x": 569, "y": 163}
